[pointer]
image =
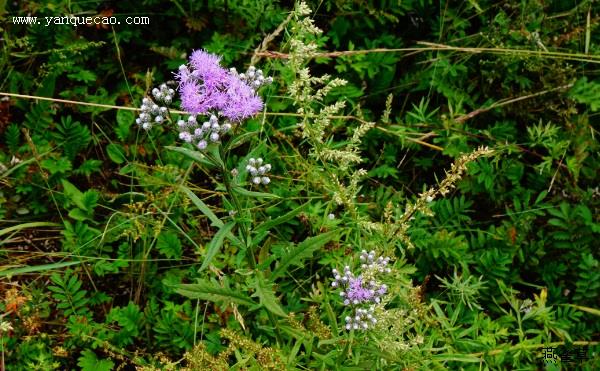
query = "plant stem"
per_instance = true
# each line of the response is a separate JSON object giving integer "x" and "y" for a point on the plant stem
{"x": 250, "y": 255}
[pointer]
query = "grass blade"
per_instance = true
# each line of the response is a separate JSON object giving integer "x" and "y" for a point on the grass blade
{"x": 36, "y": 268}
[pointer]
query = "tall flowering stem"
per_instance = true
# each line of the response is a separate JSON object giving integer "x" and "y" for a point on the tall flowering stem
{"x": 216, "y": 101}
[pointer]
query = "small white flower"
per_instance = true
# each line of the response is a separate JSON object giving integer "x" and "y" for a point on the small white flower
{"x": 331, "y": 216}
{"x": 185, "y": 136}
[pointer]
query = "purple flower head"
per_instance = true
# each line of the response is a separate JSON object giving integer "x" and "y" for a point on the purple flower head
{"x": 362, "y": 292}
{"x": 357, "y": 292}
{"x": 205, "y": 63}
{"x": 242, "y": 100}
{"x": 208, "y": 87}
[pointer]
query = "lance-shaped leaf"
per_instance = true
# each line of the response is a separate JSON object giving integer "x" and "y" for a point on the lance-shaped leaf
{"x": 215, "y": 245}
{"x": 266, "y": 295}
{"x": 304, "y": 250}
{"x": 213, "y": 291}
{"x": 202, "y": 207}
{"x": 279, "y": 220}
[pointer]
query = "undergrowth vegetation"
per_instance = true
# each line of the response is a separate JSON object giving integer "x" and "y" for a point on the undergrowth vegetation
{"x": 386, "y": 185}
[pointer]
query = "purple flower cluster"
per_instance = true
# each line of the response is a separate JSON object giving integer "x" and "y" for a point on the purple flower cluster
{"x": 206, "y": 87}
{"x": 362, "y": 292}
{"x": 357, "y": 291}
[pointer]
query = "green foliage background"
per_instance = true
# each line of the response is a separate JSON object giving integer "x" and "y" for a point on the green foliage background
{"x": 101, "y": 224}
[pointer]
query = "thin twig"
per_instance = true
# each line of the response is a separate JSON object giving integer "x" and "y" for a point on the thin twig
{"x": 270, "y": 37}
{"x": 506, "y": 102}
{"x": 420, "y": 141}
{"x": 66, "y": 101}
{"x": 442, "y": 47}
{"x": 341, "y": 53}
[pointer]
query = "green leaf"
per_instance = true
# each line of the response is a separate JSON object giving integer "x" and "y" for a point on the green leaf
{"x": 71, "y": 192}
{"x": 457, "y": 358}
{"x": 593, "y": 311}
{"x": 13, "y": 137}
{"x": 193, "y": 155}
{"x": 85, "y": 201}
{"x": 586, "y": 92}
{"x": 214, "y": 292}
{"x": 90, "y": 362}
{"x": 245, "y": 192}
{"x": 264, "y": 291}
{"x": 215, "y": 244}
{"x": 72, "y": 136}
{"x": 169, "y": 245}
{"x": 238, "y": 140}
{"x": 202, "y": 207}
{"x": 36, "y": 268}
{"x": 116, "y": 153}
{"x": 83, "y": 75}
{"x": 55, "y": 166}
{"x": 125, "y": 119}
{"x": 302, "y": 251}
{"x": 128, "y": 317}
{"x": 266, "y": 226}
{"x": 79, "y": 214}
{"x": 88, "y": 167}
{"x": 89, "y": 200}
